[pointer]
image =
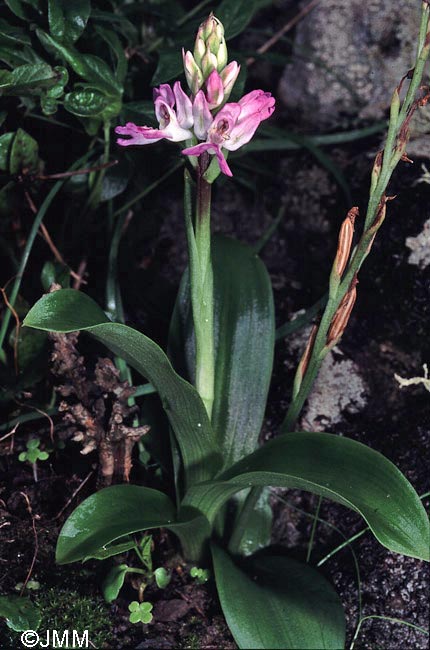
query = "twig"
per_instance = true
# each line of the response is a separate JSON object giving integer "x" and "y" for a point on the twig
{"x": 81, "y": 272}
{"x": 18, "y": 326}
{"x": 47, "y": 237}
{"x": 78, "y": 172}
{"x": 44, "y": 413}
{"x": 286, "y": 28}
{"x": 78, "y": 489}
{"x": 36, "y": 543}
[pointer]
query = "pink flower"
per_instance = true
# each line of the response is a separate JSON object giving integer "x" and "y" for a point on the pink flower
{"x": 174, "y": 124}
{"x": 234, "y": 126}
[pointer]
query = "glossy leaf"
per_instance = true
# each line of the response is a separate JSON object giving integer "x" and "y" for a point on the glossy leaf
{"x": 85, "y": 102}
{"x": 337, "y": 468}
{"x": 89, "y": 67}
{"x": 68, "y": 18}
{"x": 27, "y": 78}
{"x": 244, "y": 326}
{"x": 278, "y": 603}
{"x": 236, "y": 15}
{"x": 68, "y": 310}
{"x": 20, "y": 613}
{"x": 116, "y": 512}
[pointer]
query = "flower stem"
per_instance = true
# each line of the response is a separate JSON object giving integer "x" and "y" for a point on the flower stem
{"x": 201, "y": 284}
{"x": 385, "y": 163}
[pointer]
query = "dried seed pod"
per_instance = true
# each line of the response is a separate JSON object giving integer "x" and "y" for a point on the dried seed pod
{"x": 304, "y": 361}
{"x": 346, "y": 234}
{"x": 342, "y": 315}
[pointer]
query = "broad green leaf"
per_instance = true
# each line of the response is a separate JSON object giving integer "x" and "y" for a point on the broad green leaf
{"x": 28, "y": 78}
{"x": 24, "y": 153}
{"x": 278, "y": 603}
{"x": 236, "y": 15}
{"x": 337, "y": 468}
{"x": 89, "y": 67}
{"x": 111, "y": 550}
{"x": 169, "y": 66}
{"x": 113, "y": 582}
{"x": 244, "y": 326}
{"x": 68, "y": 310}
{"x": 68, "y": 18}
{"x": 85, "y": 102}
{"x": 115, "y": 512}
{"x": 20, "y": 613}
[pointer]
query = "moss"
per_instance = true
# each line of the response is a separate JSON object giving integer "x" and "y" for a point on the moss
{"x": 191, "y": 642}
{"x": 63, "y": 609}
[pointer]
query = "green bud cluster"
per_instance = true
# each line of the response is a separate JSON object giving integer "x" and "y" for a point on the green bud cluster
{"x": 210, "y": 53}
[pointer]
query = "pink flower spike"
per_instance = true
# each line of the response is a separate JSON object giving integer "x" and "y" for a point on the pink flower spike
{"x": 202, "y": 116}
{"x": 168, "y": 122}
{"x": 138, "y": 135}
{"x": 166, "y": 93}
{"x": 214, "y": 90}
{"x": 184, "y": 107}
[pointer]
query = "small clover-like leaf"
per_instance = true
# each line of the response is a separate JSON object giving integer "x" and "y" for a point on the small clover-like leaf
{"x": 33, "y": 443}
{"x": 140, "y": 613}
{"x": 200, "y": 575}
{"x": 43, "y": 455}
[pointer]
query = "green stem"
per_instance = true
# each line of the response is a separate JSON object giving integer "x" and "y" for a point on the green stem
{"x": 392, "y": 154}
{"x": 95, "y": 194}
{"x": 30, "y": 241}
{"x": 201, "y": 284}
{"x": 314, "y": 528}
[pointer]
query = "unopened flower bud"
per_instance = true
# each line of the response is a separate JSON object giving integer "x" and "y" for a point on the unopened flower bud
{"x": 193, "y": 72}
{"x": 229, "y": 76}
{"x": 210, "y": 49}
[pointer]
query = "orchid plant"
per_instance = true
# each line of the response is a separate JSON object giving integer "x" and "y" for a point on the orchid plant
{"x": 214, "y": 395}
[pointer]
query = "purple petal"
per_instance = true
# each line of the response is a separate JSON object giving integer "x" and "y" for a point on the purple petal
{"x": 138, "y": 135}
{"x": 202, "y": 116}
{"x": 166, "y": 93}
{"x": 184, "y": 107}
{"x": 198, "y": 149}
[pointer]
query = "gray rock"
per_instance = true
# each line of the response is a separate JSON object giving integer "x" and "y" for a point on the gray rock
{"x": 349, "y": 56}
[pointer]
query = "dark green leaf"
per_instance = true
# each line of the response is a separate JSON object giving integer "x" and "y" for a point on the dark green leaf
{"x": 89, "y": 67}
{"x": 5, "y": 148}
{"x": 115, "y": 180}
{"x": 70, "y": 310}
{"x": 85, "y": 102}
{"x": 169, "y": 67}
{"x": 115, "y": 45}
{"x": 24, "y": 153}
{"x": 68, "y": 18}
{"x": 278, "y": 603}
{"x": 111, "y": 550}
{"x": 139, "y": 112}
{"x": 20, "y": 613}
{"x": 113, "y": 582}
{"x": 337, "y": 468}
{"x": 27, "y": 78}
{"x": 115, "y": 512}
{"x": 236, "y": 15}
{"x": 12, "y": 35}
